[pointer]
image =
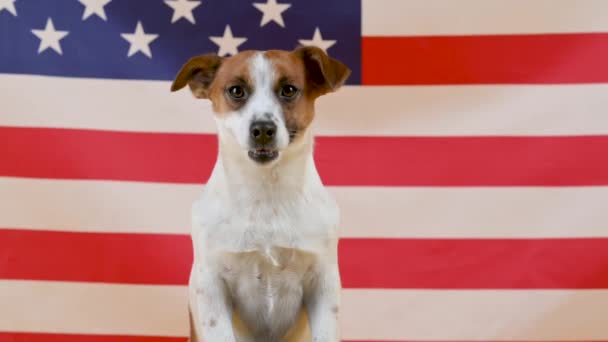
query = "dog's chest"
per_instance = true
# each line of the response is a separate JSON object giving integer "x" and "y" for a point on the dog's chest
{"x": 267, "y": 252}
{"x": 276, "y": 272}
{"x": 307, "y": 223}
{"x": 267, "y": 286}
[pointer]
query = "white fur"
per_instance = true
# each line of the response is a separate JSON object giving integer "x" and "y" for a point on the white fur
{"x": 265, "y": 237}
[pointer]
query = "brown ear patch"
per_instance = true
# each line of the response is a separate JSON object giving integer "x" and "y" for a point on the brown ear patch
{"x": 198, "y": 73}
{"x": 323, "y": 73}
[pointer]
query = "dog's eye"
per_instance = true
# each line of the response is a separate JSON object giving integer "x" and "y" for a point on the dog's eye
{"x": 288, "y": 91}
{"x": 237, "y": 92}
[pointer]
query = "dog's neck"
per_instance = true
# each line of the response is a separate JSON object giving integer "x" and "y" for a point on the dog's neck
{"x": 241, "y": 178}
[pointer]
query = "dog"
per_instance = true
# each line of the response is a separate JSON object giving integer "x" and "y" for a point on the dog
{"x": 264, "y": 229}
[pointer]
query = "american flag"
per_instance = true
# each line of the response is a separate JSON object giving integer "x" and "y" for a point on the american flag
{"x": 468, "y": 153}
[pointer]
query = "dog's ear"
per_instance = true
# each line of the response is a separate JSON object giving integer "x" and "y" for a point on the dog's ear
{"x": 198, "y": 73}
{"x": 323, "y": 73}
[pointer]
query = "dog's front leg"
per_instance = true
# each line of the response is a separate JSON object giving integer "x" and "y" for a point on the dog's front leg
{"x": 214, "y": 308}
{"x": 323, "y": 304}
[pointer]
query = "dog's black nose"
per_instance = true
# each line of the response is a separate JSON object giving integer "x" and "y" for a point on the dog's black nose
{"x": 263, "y": 132}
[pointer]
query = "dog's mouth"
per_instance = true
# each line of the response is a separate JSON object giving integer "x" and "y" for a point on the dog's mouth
{"x": 263, "y": 155}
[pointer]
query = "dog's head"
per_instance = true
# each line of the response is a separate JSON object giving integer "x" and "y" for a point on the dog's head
{"x": 264, "y": 101}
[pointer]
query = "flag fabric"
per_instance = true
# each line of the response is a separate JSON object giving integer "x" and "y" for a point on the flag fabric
{"x": 468, "y": 153}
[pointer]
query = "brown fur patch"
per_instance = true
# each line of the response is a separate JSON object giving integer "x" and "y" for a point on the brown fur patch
{"x": 234, "y": 71}
{"x": 314, "y": 73}
{"x": 198, "y": 72}
{"x": 290, "y": 70}
{"x": 209, "y": 76}
{"x": 323, "y": 73}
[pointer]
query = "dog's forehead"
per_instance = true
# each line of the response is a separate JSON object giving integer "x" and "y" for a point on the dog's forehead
{"x": 277, "y": 63}
{"x": 287, "y": 65}
{"x": 235, "y": 66}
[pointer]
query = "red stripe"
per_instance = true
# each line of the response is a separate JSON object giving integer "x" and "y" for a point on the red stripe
{"x": 88, "y": 154}
{"x": 365, "y": 263}
{"x": 485, "y": 59}
{"x": 43, "y": 337}
{"x": 95, "y": 257}
{"x": 382, "y": 161}
{"x": 475, "y": 263}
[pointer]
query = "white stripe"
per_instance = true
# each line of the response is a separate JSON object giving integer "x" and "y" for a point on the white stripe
{"x": 475, "y": 212}
{"x": 464, "y": 17}
{"x": 549, "y": 315}
{"x": 390, "y": 212}
{"x": 96, "y": 206}
{"x": 475, "y": 315}
{"x": 124, "y": 105}
{"x": 354, "y": 110}
{"x": 93, "y": 308}
{"x": 465, "y": 110}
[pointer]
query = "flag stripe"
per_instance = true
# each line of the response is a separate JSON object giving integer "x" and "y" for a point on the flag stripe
{"x": 396, "y": 161}
{"x": 354, "y": 110}
{"x": 474, "y": 263}
{"x": 462, "y": 315}
{"x": 97, "y": 206}
{"x": 475, "y": 315}
{"x": 85, "y": 154}
{"x": 95, "y": 257}
{"x": 87, "y": 308}
{"x": 480, "y": 17}
{"x": 491, "y": 59}
{"x": 364, "y": 263}
{"x": 33, "y": 337}
{"x": 406, "y": 212}
{"x": 45, "y": 337}
{"x": 40, "y": 337}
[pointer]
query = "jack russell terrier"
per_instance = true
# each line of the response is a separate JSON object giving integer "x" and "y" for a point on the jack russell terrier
{"x": 264, "y": 229}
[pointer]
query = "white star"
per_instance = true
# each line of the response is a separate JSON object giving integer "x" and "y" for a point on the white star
{"x": 318, "y": 41}
{"x": 139, "y": 40}
{"x": 272, "y": 12}
{"x": 49, "y": 37}
{"x": 228, "y": 43}
{"x": 94, "y": 7}
{"x": 183, "y": 9}
{"x": 8, "y": 5}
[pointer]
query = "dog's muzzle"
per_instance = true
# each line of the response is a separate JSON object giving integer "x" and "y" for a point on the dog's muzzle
{"x": 262, "y": 135}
